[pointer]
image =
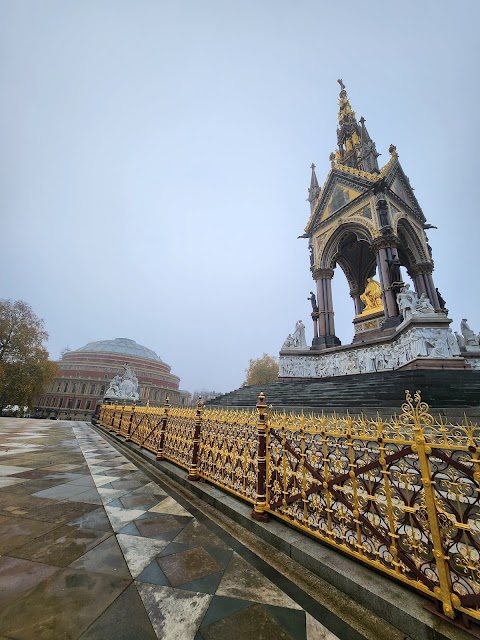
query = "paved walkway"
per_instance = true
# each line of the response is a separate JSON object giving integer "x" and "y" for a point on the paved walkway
{"x": 91, "y": 548}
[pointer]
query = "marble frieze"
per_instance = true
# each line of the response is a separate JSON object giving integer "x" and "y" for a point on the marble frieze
{"x": 413, "y": 340}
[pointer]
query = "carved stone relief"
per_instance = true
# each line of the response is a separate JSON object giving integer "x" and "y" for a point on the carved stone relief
{"x": 418, "y": 342}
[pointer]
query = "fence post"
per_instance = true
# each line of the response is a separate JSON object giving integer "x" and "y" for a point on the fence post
{"x": 258, "y": 512}
{"x": 112, "y": 422}
{"x": 119, "y": 428}
{"x": 193, "y": 471}
{"x": 132, "y": 415}
{"x": 163, "y": 426}
{"x": 422, "y": 418}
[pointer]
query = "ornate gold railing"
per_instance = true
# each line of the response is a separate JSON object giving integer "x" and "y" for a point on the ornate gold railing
{"x": 401, "y": 495}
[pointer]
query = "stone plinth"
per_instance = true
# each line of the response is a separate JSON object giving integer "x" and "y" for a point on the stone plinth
{"x": 421, "y": 341}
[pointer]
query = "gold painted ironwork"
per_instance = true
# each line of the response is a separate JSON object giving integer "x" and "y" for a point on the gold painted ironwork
{"x": 179, "y": 432}
{"x": 228, "y": 450}
{"x": 401, "y": 495}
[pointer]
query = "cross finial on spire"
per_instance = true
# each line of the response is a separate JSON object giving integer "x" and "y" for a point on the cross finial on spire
{"x": 314, "y": 190}
{"x": 362, "y": 120}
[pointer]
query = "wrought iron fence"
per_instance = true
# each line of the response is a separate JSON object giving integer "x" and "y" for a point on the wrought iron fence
{"x": 401, "y": 495}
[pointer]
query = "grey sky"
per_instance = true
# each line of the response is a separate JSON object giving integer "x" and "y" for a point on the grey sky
{"x": 155, "y": 155}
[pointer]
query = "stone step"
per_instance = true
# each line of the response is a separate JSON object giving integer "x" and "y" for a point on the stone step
{"x": 440, "y": 389}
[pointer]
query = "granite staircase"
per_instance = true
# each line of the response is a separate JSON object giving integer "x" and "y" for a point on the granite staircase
{"x": 452, "y": 393}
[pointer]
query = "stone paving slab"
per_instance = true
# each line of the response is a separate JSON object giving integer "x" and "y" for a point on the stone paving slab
{"x": 92, "y": 549}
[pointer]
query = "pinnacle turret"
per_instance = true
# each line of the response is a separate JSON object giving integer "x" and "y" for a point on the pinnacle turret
{"x": 314, "y": 190}
{"x": 355, "y": 147}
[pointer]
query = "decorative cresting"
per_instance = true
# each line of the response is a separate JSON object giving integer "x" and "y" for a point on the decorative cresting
{"x": 401, "y": 495}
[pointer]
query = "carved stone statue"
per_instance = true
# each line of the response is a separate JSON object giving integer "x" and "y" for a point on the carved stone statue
{"x": 460, "y": 340}
{"x": 312, "y": 259}
{"x": 424, "y": 305}
{"x": 299, "y": 335}
{"x": 372, "y": 296}
{"x": 125, "y": 386}
{"x": 288, "y": 344}
{"x": 313, "y": 300}
{"x": 471, "y": 340}
{"x": 113, "y": 390}
{"x": 407, "y": 302}
{"x": 394, "y": 270}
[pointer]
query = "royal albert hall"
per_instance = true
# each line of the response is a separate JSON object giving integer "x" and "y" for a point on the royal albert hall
{"x": 85, "y": 376}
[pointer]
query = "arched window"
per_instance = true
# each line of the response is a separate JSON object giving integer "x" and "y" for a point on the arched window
{"x": 84, "y": 387}
{"x": 102, "y": 390}
{"x": 65, "y": 387}
{"x": 92, "y": 388}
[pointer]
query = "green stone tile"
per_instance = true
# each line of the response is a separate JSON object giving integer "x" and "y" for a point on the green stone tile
{"x": 125, "y": 619}
{"x": 293, "y": 621}
{"x": 208, "y": 584}
{"x": 153, "y": 575}
{"x": 248, "y": 623}
{"x": 221, "y": 607}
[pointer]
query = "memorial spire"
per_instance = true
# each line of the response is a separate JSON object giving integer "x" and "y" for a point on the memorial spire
{"x": 355, "y": 147}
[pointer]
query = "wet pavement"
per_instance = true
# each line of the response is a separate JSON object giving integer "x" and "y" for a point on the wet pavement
{"x": 92, "y": 548}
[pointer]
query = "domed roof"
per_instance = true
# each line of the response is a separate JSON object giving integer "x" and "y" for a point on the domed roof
{"x": 123, "y": 346}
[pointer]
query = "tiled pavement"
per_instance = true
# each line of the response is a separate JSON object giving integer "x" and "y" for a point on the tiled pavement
{"x": 91, "y": 548}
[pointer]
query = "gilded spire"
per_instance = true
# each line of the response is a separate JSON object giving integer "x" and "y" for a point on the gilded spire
{"x": 314, "y": 190}
{"x": 355, "y": 147}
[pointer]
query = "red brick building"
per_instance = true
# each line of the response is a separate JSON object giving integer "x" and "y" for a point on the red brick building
{"x": 85, "y": 376}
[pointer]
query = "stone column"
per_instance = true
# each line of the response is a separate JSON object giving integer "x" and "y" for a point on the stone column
{"x": 422, "y": 276}
{"x": 330, "y": 320}
{"x": 315, "y": 323}
{"x": 326, "y": 330}
{"x": 419, "y": 284}
{"x": 384, "y": 249}
{"x": 433, "y": 292}
{"x": 358, "y": 304}
{"x": 321, "y": 308}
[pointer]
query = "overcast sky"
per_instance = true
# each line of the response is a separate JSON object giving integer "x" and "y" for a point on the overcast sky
{"x": 154, "y": 162}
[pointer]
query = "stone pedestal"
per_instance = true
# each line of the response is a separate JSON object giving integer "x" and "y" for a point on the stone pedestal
{"x": 325, "y": 342}
{"x": 367, "y": 324}
{"x": 422, "y": 341}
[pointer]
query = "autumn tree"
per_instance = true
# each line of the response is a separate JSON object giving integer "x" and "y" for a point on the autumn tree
{"x": 25, "y": 370}
{"x": 262, "y": 370}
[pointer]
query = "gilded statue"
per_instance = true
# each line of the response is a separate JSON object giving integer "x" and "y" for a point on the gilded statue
{"x": 372, "y": 296}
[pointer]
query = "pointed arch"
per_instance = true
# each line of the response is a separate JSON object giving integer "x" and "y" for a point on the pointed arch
{"x": 411, "y": 248}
